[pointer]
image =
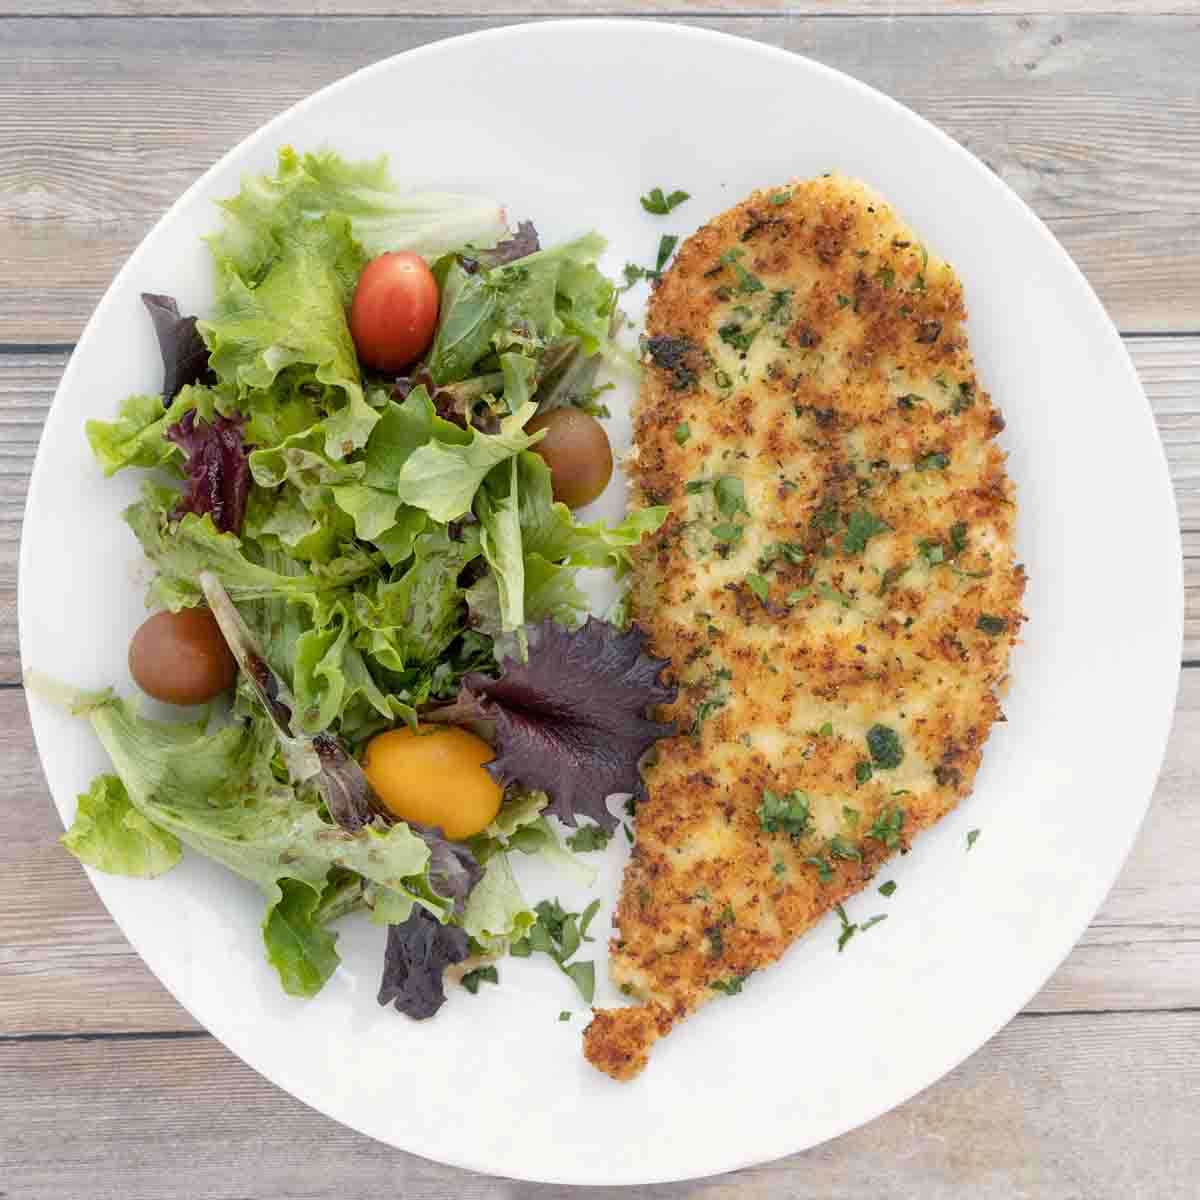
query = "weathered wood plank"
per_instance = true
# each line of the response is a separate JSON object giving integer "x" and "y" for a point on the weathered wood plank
{"x": 1090, "y": 1107}
{"x": 1064, "y": 107}
{"x": 558, "y": 8}
{"x": 67, "y": 968}
{"x": 1169, "y": 368}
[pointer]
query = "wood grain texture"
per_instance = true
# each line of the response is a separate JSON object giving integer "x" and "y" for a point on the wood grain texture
{"x": 556, "y": 8}
{"x": 1169, "y": 368}
{"x": 66, "y": 968}
{"x": 1052, "y": 1107}
{"x": 1095, "y": 120}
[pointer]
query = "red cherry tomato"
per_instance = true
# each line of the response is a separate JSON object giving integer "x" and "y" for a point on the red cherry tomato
{"x": 395, "y": 310}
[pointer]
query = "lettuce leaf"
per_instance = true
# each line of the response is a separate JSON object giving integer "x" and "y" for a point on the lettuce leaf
{"x": 218, "y": 793}
{"x": 218, "y": 473}
{"x": 382, "y": 216}
{"x": 496, "y": 911}
{"x": 442, "y": 477}
{"x": 418, "y": 952}
{"x": 298, "y": 946}
{"x": 138, "y": 437}
{"x": 296, "y": 314}
{"x": 572, "y": 720}
{"x": 184, "y": 354}
{"x": 549, "y": 529}
{"x": 108, "y": 833}
{"x": 500, "y": 540}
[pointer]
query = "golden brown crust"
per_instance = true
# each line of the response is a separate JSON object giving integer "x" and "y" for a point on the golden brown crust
{"x": 806, "y": 347}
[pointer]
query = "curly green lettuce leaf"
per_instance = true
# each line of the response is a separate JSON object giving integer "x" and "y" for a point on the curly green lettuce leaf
{"x": 496, "y": 507}
{"x": 108, "y": 833}
{"x": 442, "y": 477}
{"x": 298, "y": 946}
{"x": 548, "y": 528}
{"x": 413, "y": 619}
{"x": 181, "y": 550}
{"x": 217, "y": 792}
{"x": 496, "y": 911}
{"x": 382, "y": 216}
{"x": 296, "y": 315}
{"x": 137, "y": 438}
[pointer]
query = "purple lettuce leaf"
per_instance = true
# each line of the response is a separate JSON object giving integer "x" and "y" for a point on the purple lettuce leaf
{"x": 523, "y": 242}
{"x": 184, "y": 354}
{"x": 453, "y": 868}
{"x": 218, "y": 469}
{"x": 571, "y": 721}
{"x": 418, "y": 951}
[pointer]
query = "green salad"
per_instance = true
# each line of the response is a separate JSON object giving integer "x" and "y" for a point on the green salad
{"x": 364, "y": 571}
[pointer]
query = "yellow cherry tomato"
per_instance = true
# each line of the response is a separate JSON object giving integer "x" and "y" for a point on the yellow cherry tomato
{"x": 435, "y": 776}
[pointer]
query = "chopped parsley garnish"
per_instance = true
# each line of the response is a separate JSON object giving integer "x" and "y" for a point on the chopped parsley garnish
{"x": 788, "y": 814}
{"x": 863, "y": 770}
{"x": 958, "y": 538}
{"x": 799, "y": 594}
{"x": 748, "y": 282}
{"x": 732, "y": 334}
{"x": 826, "y": 730}
{"x": 781, "y": 304}
{"x": 716, "y": 939}
{"x": 918, "y": 284}
{"x": 824, "y": 870}
{"x": 779, "y": 868}
{"x": 932, "y": 552}
{"x": 759, "y": 586}
{"x": 472, "y": 979}
{"x": 634, "y": 274}
{"x": 564, "y": 1015}
{"x": 965, "y": 398}
{"x": 886, "y": 276}
{"x": 992, "y": 626}
{"x": 666, "y": 246}
{"x": 792, "y": 552}
{"x": 683, "y": 431}
{"x": 730, "y": 986}
{"x": 860, "y": 528}
{"x": 834, "y": 596}
{"x": 840, "y": 848}
{"x": 908, "y": 401}
{"x": 850, "y": 816}
{"x": 704, "y": 710}
{"x": 780, "y": 198}
{"x": 589, "y": 837}
{"x": 939, "y": 460}
{"x": 695, "y": 486}
{"x": 887, "y": 827}
{"x": 887, "y": 889}
{"x": 825, "y": 519}
{"x": 843, "y": 301}
{"x": 655, "y": 202}
{"x": 559, "y": 934}
{"x": 884, "y": 746}
{"x": 731, "y": 496}
{"x": 722, "y": 380}
{"x": 849, "y": 928}
{"x": 972, "y": 837}
{"x": 727, "y": 532}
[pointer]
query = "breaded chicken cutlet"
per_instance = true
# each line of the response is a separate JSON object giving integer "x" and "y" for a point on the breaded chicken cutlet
{"x": 835, "y": 586}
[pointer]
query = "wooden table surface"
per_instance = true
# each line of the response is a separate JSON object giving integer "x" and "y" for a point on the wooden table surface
{"x": 1090, "y": 109}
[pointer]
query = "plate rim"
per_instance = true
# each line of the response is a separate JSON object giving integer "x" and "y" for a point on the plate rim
{"x": 669, "y": 30}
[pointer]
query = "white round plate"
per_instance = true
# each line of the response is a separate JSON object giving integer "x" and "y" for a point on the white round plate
{"x": 569, "y": 123}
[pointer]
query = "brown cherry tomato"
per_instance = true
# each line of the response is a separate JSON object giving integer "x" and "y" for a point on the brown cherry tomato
{"x": 394, "y": 312}
{"x": 181, "y": 658}
{"x": 577, "y": 452}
